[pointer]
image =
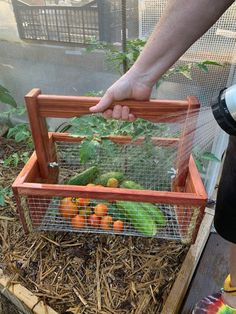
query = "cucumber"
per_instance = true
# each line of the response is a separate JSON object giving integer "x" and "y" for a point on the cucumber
{"x": 103, "y": 179}
{"x": 155, "y": 213}
{"x": 151, "y": 209}
{"x": 129, "y": 184}
{"x": 85, "y": 177}
{"x": 138, "y": 217}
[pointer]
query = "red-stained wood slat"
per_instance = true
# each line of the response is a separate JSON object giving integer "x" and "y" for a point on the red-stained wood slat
{"x": 49, "y": 190}
{"x": 20, "y": 210}
{"x": 66, "y": 137}
{"x": 196, "y": 179}
{"x": 29, "y": 172}
{"x": 71, "y": 106}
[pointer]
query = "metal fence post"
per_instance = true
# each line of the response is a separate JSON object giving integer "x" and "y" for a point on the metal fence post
{"x": 16, "y": 5}
{"x": 124, "y": 34}
{"x": 104, "y": 20}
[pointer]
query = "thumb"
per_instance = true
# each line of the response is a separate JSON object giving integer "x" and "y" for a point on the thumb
{"x": 103, "y": 104}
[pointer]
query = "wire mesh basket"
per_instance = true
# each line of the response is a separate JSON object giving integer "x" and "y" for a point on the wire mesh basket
{"x": 140, "y": 191}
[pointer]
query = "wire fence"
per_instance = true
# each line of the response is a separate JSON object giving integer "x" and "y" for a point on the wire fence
{"x": 97, "y": 19}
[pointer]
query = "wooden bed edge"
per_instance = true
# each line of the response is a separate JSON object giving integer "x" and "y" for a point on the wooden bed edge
{"x": 181, "y": 284}
{"x": 24, "y": 300}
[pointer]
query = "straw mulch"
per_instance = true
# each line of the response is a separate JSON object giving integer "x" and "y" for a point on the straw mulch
{"x": 86, "y": 273}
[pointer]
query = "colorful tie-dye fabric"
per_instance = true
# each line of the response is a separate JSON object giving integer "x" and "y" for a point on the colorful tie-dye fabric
{"x": 213, "y": 304}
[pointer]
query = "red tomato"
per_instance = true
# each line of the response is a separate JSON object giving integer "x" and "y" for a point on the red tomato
{"x": 94, "y": 220}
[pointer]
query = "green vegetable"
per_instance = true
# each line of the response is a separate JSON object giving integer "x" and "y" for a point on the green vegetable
{"x": 155, "y": 213}
{"x": 85, "y": 177}
{"x": 151, "y": 209}
{"x": 138, "y": 217}
{"x": 128, "y": 184}
{"x": 103, "y": 179}
{"x": 116, "y": 213}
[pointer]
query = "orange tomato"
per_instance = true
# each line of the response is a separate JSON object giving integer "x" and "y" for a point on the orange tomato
{"x": 78, "y": 222}
{"x": 82, "y": 201}
{"x": 101, "y": 210}
{"x": 106, "y": 222}
{"x": 91, "y": 184}
{"x": 113, "y": 183}
{"x": 68, "y": 208}
{"x": 118, "y": 225}
{"x": 94, "y": 220}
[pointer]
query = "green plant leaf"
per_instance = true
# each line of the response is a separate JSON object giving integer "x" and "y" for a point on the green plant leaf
{"x": 11, "y": 132}
{"x": 4, "y": 90}
{"x": 130, "y": 56}
{"x": 199, "y": 165}
{"x": 2, "y": 199}
{"x": 7, "y": 161}
{"x": 209, "y": 156}
{"x": 21, "y": 136}
{"x": 14, "y": 159}
{"x": 186, "y": 73}
{"x": 115, "y": 56}
{"x": 202, "y": 67}
{"x": 7, "y": 99}
{"x": 88, "y": 150}
{"x": 24, "y": 157}
{"x": 7, "y": 191}
{"x": 20, "y": 110}
{"x": 19, "y": 132}
{"x": 94, "y": 93}
{"x": 159, "y": 82}
{"x": 209, "y": 62}
{"x": 109, "y": 148}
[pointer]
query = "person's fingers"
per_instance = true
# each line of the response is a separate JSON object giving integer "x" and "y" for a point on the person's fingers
{"x": 125, "y": 113}
{"x": 117, "y": 110}
{"x": 121, "y": 112}
{"x": 103, "y": 104}
{"x": 131, "y": 118}
{"x": 107, "y": 114}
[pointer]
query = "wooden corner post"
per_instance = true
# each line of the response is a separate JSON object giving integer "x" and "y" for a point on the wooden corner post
{"x": 39, "y": 132}
{"x": 186, "y": 141}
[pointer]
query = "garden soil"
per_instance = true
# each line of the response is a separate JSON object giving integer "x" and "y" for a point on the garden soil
{"x": 7, "y": 307}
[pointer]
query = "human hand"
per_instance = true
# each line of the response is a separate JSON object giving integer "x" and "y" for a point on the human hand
{"x": 129, "y": 86}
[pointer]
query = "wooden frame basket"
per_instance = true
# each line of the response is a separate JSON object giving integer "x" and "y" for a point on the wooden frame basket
{"x": 38, "y": 180}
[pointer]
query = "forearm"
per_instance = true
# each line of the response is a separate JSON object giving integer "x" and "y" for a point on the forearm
{"x": 183, "y": 22}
